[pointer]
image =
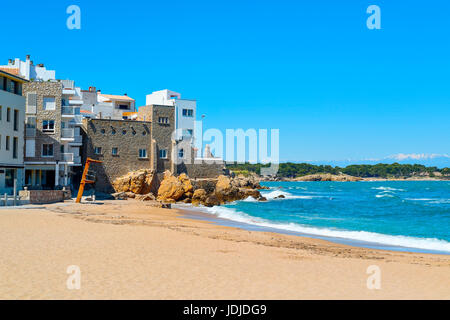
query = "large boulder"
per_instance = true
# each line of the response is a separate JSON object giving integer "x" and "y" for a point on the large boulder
{"x": 186, "y": 183}
{"x": 171, "y": 188}
{"x": 199, "y": 196}
{"x": 138, "y": 182}
{"x": 225, "y": 190}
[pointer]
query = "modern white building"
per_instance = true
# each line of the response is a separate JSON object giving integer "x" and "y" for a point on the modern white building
{"x": 28, "y": 70}
{"x": 106, "y": 106}
{"x": 12, "y": 113}
{"x": 185, "y": 111}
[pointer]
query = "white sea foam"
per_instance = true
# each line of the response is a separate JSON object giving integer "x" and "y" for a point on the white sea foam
{"x": 387, "y": 189}
{"x": 271, "y": 195}
{"x": 384, "y": 195}
{"x": 400, "y": 241}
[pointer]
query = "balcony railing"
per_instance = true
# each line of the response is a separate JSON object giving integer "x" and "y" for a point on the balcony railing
{"x": 68, "y": 111}
{"x": 67, "y": 133}
{"x": 67, "y": 157}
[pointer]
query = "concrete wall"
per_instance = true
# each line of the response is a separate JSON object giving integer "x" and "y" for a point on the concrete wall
{"x": 7, "y": 161}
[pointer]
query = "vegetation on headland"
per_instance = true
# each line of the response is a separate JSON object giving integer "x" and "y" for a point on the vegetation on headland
{"x": 380, "y": 170}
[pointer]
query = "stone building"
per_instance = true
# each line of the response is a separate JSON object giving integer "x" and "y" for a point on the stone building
{"x": 145, "y": 143}
{"x": 128, "y": 145}
{"x": 52, "y": 134}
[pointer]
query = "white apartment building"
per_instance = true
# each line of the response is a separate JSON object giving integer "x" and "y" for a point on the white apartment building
{"x": 28, "y": 70}
{"x": 12, "y": 112}
{"x": 106, "y": 106}
{"x": 185, "y": 111}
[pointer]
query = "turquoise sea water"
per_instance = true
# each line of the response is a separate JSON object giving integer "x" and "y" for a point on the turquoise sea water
{"x": 410, "y": 214}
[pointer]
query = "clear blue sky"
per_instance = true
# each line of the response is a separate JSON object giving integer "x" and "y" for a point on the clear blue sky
{"x": 335, "y": 89}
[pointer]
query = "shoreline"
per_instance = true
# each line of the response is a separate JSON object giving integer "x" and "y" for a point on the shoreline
{"x": 191, "y": 212}
{"x": 127, "y": 249}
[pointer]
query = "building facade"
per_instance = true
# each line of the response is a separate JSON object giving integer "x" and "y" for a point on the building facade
{"x": 12, "y": 113}
{"x": 28, "y": 70}
{"x": 128, "y": 145}
{"x": 185, "y": 111}
{"x": 52, "y": 134}
{"x": 106, "y": 106}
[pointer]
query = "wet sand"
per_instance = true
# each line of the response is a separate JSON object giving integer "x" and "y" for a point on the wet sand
{"x": 132, "y": 250}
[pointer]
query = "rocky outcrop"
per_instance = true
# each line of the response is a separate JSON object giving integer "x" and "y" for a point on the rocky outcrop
{"x": 171, "y": 188}
{"x": 137, "y": 182}
{"x": 327, "y": 177}
{"x": 141, "y": 185}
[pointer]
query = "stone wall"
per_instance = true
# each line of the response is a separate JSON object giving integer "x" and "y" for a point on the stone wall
{"x": 127, "y": 136}
{"x": 202, "y": 169}
{"x": 43, "y": 196}
{"x": 162, "y": 136}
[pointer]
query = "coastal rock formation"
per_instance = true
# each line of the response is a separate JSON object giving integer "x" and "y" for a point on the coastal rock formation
{"x": 141, "y": 185}
{"x": 137, "y": 182}
{"x": 327, "y": 177}
{"x": 171, "y": 188}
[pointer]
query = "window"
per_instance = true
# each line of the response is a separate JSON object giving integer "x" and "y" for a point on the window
{"x": 163, "y": 154}
{"x": 62, "y": 148}
{"x": 113, "y": 131}
{"x": 164, "y": 120}
{"x": 114, "y": 151}
{"x": 142, "y": 153}
{"x": 98, "y": 150}
{"x": 47, "y": 150}
{"x": 15, "y": 147}
{"x": 1, "y": 113}
{"x": 8, "y": 114}
{"x": 103, "y": 131}
{"x": 124, "y": 132}
{"x": 190, "y": 132}
{"x": 30, "y": 127}
{"x": 16, "y": 120}
{"x": 188, "y": 113}
{"x": 7, "y": 143}
{"x": 49, "y": 103}
{"x": 123, "y": 107}
{"x": 48, "y": 126}
{"x": 181, "y": 153}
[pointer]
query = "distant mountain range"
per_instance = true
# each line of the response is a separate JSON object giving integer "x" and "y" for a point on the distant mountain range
{"x": 429, "y": 160}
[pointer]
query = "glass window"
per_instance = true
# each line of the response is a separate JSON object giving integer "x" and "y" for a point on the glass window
{"x": 142, "y": 153}
{"x": 114, "y": 151}
{"x": 16, "y": 120}
{"x": 98, "y": 150}
{"x": 163, "y": 154}
{"x": 49, "y": 103}
{"x": 181, "y": 153}
{"x": 47, "y": 150}
{"x": 48, "y": 126}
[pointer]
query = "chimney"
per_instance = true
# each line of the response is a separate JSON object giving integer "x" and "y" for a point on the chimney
{"x": 28, "y": 57}
{"x": 125, "y": 94}
{"x": 9, "y": 61}
{"x": 92, "y": 89}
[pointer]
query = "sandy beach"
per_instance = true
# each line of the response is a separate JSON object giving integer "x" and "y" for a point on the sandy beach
{"x": 131, "y": 250}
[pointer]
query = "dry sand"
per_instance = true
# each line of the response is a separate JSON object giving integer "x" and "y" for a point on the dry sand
{"x": 130, "y": 250}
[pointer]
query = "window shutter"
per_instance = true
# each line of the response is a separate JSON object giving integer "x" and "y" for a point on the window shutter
{"x": 31, "y": 103}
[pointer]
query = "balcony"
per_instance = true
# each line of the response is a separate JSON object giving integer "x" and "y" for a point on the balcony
{"x": 67, "y": 111}
{"x": 70, "y": 157}
{"x": 68, "y": 133}
{"x": 75, "y": 101}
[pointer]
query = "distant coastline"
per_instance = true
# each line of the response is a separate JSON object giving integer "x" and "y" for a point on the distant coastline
{"x": 379, "y": 172}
